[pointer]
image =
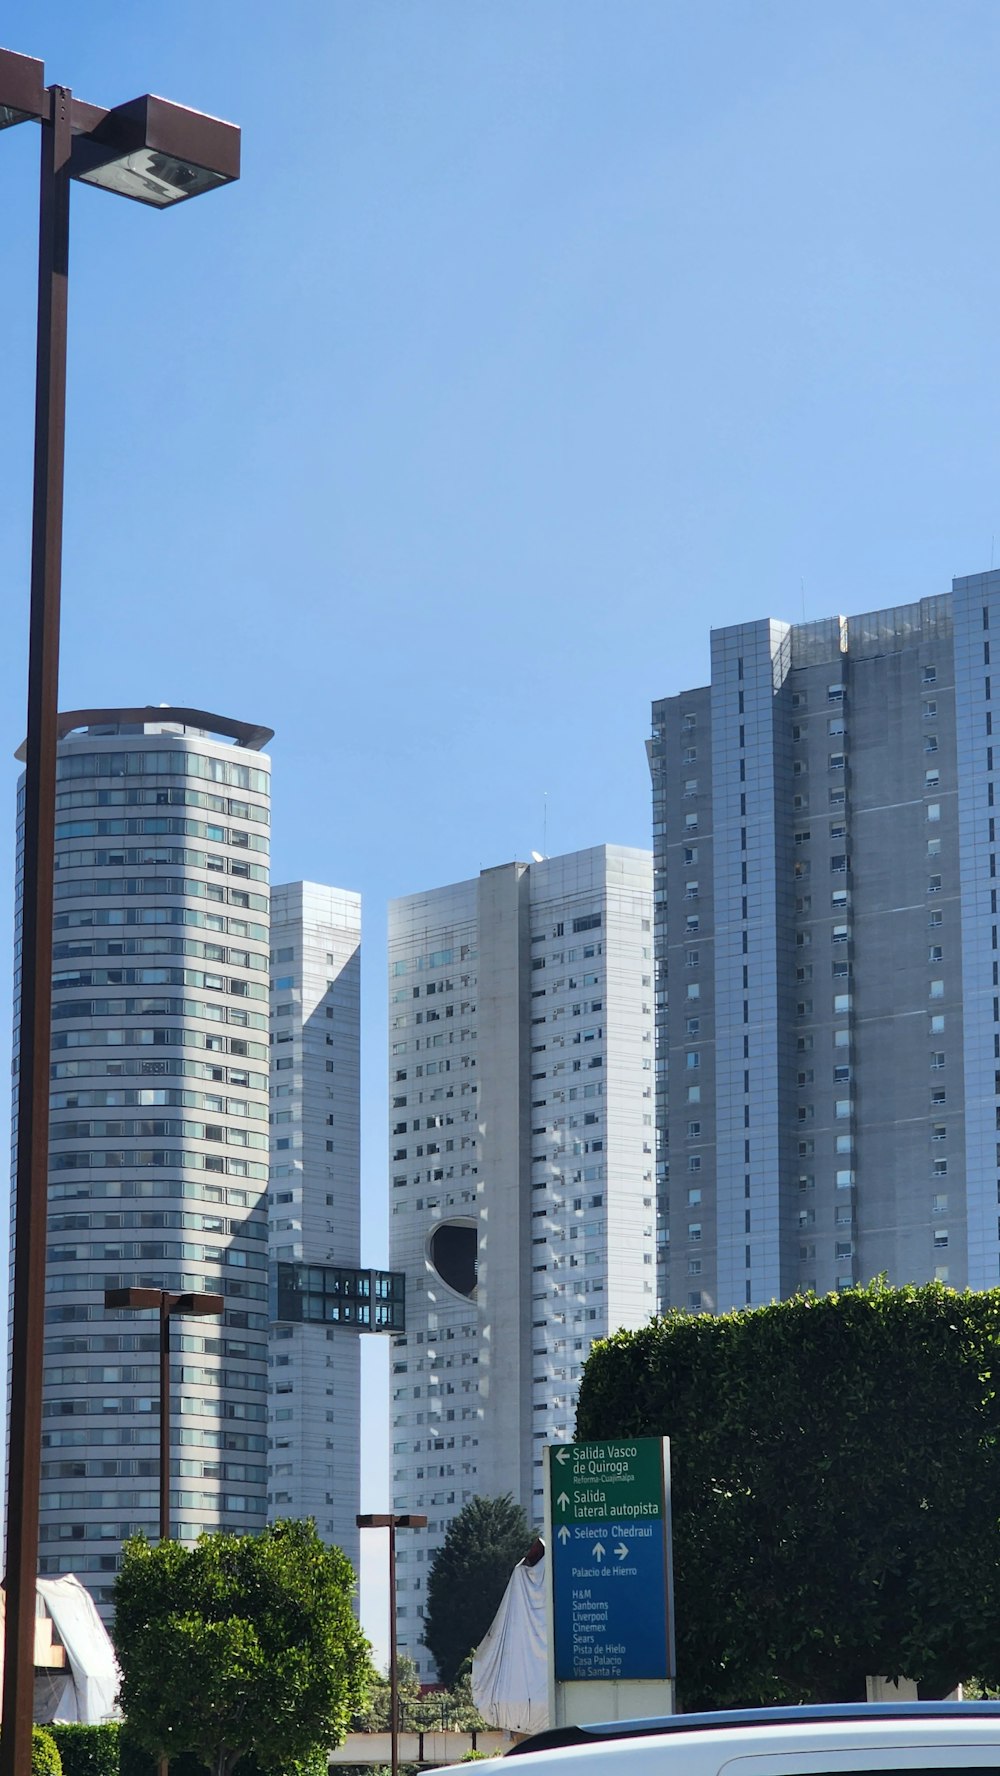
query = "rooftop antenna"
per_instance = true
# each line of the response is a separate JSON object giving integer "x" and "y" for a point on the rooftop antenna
{"x": 545, "y": 822}
{"x": 802, "y": 589}
{"x": 992, "y": 541}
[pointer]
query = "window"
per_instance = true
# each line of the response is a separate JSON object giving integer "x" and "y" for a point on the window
{"x": 937, "y": 1062}
{"x": 930, "y": 710}
{"x": 839, "y": 934}
{"x": 844, "y": 1179}
{"x": 694, "y": 1162}
{"x": 692, "y": 958}
{"x": 694, "y": 1198}
{"x": 940, "y": 1238}
{"x": 693, "y": 990}
{"x": 934, "y": 810}
{"x": 939, "y": 1205}
{"x": 936, "y": 989}
{"x": 690, "y": 823}
{"x": 935, "y": 953}
{"x": 837, "y": 798}
{"x": 935, "y": 917}
{"x": 690, "y": 854}
{"x": 694, "y": 1232}
{"x": 836, "y": 725}
{"x": 934, "y": 884}
{"x": 939, "y": 1098}
{"x": 939, "y": 1131}
{"x": 930, "y": 675}
{"x": 932, "y": 778}
{"x": 838, "y": 863}
{"x": 690, "y": 891}
{"x": 693, "y": 1132}
{"x": 842, "y": 1108}
{"x": 691, "y": 922}
{"x": 930, "y": 743}
{"x": 690, "y": 786}
{"x": 690, "y": 755}
{"x": 937, "y": 1024}
{"x": 837, "y": 761}
{"x": 694, "y": 1094}
{"x": 802, "y": 838}
{"x": 692, "y": 1060}
{"x": 841, "y": 1003}
{"x": 835, "y": 693}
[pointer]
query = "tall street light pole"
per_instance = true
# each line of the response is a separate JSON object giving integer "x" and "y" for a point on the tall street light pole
{"x": 168, "y": 1303}
{"x": 386, "y": 1520}
{"x": 158, "y": 153}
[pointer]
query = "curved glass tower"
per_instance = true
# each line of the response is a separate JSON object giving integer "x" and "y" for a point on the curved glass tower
{"x": 159, "y": 1131}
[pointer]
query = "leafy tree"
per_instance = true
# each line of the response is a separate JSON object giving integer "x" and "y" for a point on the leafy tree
{"x": 452, "y": 1709}
{"x": 240, "y": 1644}
{"x": 836, "y": 1487}
{"x": 468, "y": 1577}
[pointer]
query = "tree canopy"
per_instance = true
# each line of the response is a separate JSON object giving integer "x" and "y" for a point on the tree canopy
{"x": 468, "y": 1577}
{"x": 239, "y": 1644}
{"x": 836, "y": 1487}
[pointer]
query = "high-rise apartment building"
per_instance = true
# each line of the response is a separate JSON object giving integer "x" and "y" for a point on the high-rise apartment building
{"x": 159, "y": 1132}
{"x": 321, "y": 1299}
{"x": 828, "y": 971}
{"x": 522, "y": 1196}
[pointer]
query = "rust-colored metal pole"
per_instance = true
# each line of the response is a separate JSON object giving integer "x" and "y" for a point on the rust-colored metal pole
{"x": 393, "y": 1655}
{"x": 35, "y": 1007}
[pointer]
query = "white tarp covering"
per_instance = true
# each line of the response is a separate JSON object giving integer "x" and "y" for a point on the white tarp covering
{"x": 93, "y": 1678}
{"x": 510, "y": 1666}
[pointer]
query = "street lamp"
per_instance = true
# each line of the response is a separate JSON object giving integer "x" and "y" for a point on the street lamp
{"x": 157, "y": 153}
{"x": 386, "y": 1520}
{"x": 169, "y": 1304}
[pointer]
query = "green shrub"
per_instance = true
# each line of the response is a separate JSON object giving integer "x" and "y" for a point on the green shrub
{"x": 88, "y": 1750}
{"x": 45, "y": 1759}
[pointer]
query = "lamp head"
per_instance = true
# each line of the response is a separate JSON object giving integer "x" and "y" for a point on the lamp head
{"x": 157, "y": 152}
{"x": 22, "y": 88}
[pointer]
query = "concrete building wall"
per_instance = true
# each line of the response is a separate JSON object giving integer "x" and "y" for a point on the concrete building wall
{"x": 315, "y": 1207}
{"x": 159, "y": 1146}
{"x": 849, "y": 834}
{"x": 521, "y": 1069}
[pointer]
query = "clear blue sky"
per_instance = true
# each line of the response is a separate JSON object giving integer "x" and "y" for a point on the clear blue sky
{"x": 539, "y": 336}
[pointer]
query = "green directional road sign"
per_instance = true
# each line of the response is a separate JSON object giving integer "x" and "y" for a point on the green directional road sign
{"x": 609, "y": 1507}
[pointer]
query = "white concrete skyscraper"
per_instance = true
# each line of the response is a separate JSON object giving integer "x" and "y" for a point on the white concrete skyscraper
{"x": 159, "y": 1133}
{"x": 322, "y": 1301}
{"x": 828, "y": 971}
{"x": 521, "y": 1082}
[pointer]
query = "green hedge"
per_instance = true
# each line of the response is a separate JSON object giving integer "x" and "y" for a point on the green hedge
{"x": 45, "y": 1760}
{"x": 836, "y": 1470}
{"x": 87, "y": 1751}
{"x": 110, "y": 1750}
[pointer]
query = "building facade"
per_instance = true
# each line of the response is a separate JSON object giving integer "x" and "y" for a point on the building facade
{"x": 159, "y": 1132}
{"x": 522, "y": 1196}
{"x": 827, "y": 991}
{"x": 321, "y": 1298}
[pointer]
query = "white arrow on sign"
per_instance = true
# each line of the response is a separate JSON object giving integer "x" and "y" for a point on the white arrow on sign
{"x": 621, "y": 1550}
{"x": 599, "y": 1550}
{"x": 563, "y": 1533}
{"x": 562, "y": 1501}
{"x": 562, "y": 1457}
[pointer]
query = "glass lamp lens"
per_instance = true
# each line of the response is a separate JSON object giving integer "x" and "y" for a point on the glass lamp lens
{"x": 152, "y": 178}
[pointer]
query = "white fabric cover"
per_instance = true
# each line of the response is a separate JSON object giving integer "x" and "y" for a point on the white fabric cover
{"x": 90, "y": 1695}
{"x": 510, "y": 1665}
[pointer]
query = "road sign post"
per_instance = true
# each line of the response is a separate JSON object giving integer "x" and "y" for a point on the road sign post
{"x": 610, "y": 1584}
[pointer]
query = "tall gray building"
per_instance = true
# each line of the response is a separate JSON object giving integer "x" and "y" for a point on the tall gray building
{"x": 828, "y": 995}
{"x": 321, "y": 1299}
{"x": 159, "y": 1134}
{"x": 522, "y": 1213}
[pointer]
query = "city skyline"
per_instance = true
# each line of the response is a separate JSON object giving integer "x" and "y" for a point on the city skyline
{"x": 578, "y": 341}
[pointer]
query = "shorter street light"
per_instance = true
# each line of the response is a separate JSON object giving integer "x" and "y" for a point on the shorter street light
{"x": 169, "y": 1304}
{"x": 386, "y": 1520}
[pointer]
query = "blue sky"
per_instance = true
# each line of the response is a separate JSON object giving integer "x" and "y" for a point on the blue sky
{"x": 538, "y": 337}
